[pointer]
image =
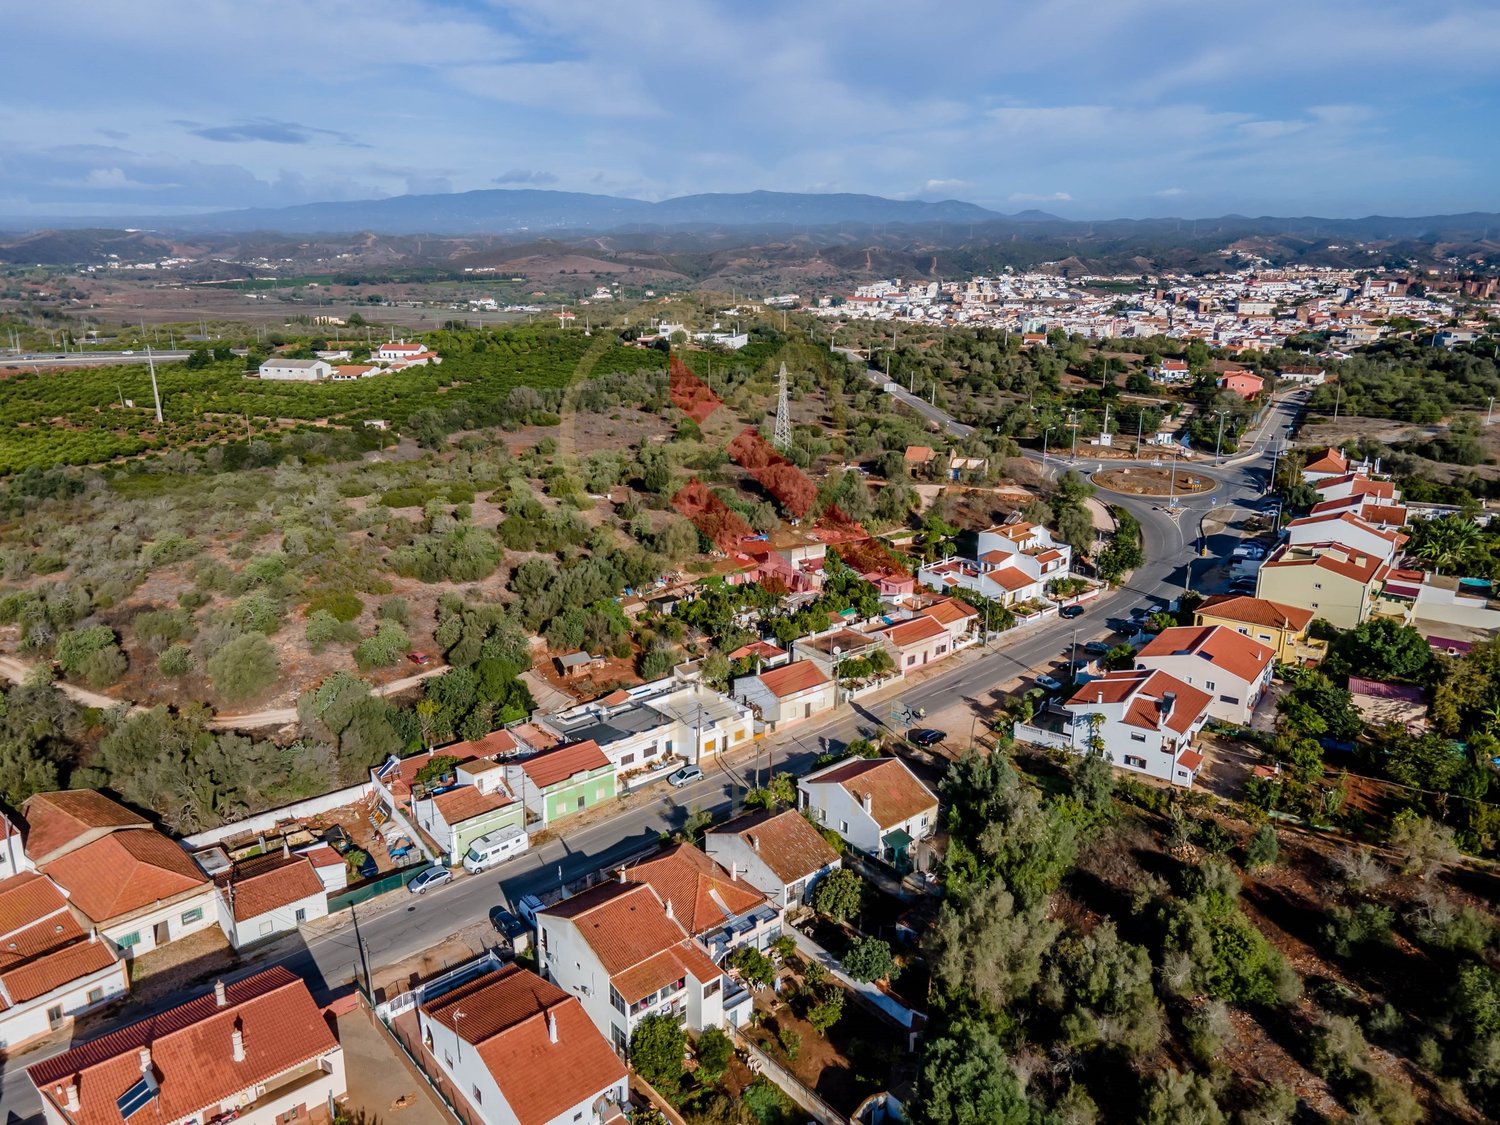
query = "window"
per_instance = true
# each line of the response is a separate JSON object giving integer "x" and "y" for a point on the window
{"x": 844, "y": 827}
{"x": 1228, "y": 699}
{"x": 1137, "y": 738}
{"x": 95, "y": 995}
{"x": 1209, "y": 685}
{"x": 1132, "y": 760}
{"x": 191, "y": 916}
{"x": 616, "y": 1000}
{"x": 1317, "y": 585}
{"x": 301, "y": 915}
{"x": 626, "y": 759}
{"x": 447, "y": 1060}
{"x": 478, "y": 1097}
{"x": 711, "y": 989}
{"x": 54, "y": 1015}
{"x": 266, "y": 927}
{"x": 125, "y": 941}
{"x": 910, "y": 660}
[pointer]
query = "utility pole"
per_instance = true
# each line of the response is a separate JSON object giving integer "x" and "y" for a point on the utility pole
{"x": 1219, "y": 444}
{"x": 155, "y": 393}
{"x": 1074, "y": 423}
{"x": 1337, "y": 399}
{"x": 1045, "y": 435}
{"x": 1275, "y": 457}
{"x": 1172, "y": 482}
{"x": 1490, "y": 413}
{"x": 1140, "y": 421}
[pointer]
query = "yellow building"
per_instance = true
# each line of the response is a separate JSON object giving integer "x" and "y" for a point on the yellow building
{"x": 1338, "y": 584}
{"x": 1281, "y": 628}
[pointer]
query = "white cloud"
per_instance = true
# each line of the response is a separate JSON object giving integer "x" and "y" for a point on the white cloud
{"x": 1170, "y": 192}
{"x": 1029, "y": 197}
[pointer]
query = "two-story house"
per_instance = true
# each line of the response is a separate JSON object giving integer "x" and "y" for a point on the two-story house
{"x": 135, "y": 886}
{"x": 563, "y": 780}
{"x": 714, "y": 905}
{"x": 521, "y": 1051}
{"x": 653, "y": 724}
{"x": 1233, "y": 669}
{"x": 1143, "y": 721}
{"x": 877, "y": 804}
{"x": 1281, "y": 628}
{"x": 258, "y": 1052}
{"x": 51, "y": 968}
{"x": 619, "y": 948}
{"x": 1337, "y": 583}
{"x": 779, "y": 853}
{"x": 1012, "y": 562}
{"x": 1347, "y": 530}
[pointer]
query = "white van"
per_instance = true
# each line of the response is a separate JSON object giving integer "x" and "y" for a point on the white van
{"x": 495, "y": 848}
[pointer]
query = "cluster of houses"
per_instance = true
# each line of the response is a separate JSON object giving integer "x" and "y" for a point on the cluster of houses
{"x": 1012, "y": 564}
{"x": 333, "y": 366}
{"x": 1344, "y": 562}
{"x": 87, "y": 885}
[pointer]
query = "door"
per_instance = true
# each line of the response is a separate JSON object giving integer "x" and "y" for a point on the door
{"x": 161, "y": 933}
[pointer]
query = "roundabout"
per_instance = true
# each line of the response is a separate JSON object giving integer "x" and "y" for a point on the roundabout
{"x": 1152, "y": 481}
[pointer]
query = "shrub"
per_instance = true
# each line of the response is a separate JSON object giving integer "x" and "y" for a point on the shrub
{"x": 791, "y": 1042}
{"x": 384, "y": 649}
{"x": 176, "y": 661}
{"x": 714, "y": 1050}
{"x": 323, "y": 628}
{"x": 1346, "y": 928}
{"x": 244, "y": 668}
{"x": 340, "y": 604}
{"x": 257, "y": 613}
{"x": 656, "y": 1048}
{"x": 1262, "y": 849}
{"x": 395, "y": 609}
{"x": 91, "y": 655}
{"x": 838, "y": 894}
{"x": 827, "y": 1011}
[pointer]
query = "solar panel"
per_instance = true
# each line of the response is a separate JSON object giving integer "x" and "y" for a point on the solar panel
{"x": 138, "y": 1097}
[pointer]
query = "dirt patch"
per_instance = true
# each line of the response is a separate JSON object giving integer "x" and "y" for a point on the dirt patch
{"x": 1152, "y": 482}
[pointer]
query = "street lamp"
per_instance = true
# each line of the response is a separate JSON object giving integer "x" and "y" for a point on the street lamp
{"x": 1219, "y": 444}
{"x": 1045, "y": 435}
{"x": 837, "y": 652}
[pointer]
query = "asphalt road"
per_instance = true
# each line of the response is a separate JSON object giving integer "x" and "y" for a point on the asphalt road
{"x": 401, "y": 925}
{"x": 87, "y": 359}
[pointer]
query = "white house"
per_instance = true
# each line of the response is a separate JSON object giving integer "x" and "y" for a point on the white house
{"x": 51, "y": 969}
{"x": 1233, "y": 669}
{"x": 138, "y": 888}
{"x": 788, "y": 694}
{"x": 331, "y": 867}
{"x": 268, "y": 895}
{"x": 1347, "y": 530}
{"x": 257, "y": 1051}
{"x": 620, "y": 949}
{"x": 714, "y": 905}
{"x": 521, "y": 1051}
{"x": 1170, "y": 371}
{"x": 400, "y": 350}
{"x": 296, "y": 370}
{"x": 1141, "y": 720}
{"x": 876, "y": 804}
{"x": 654, "y": 723}
{"x": 778, "y": 853}
{"x": 1013, "y": 563}
{"x": 916, "y": 642}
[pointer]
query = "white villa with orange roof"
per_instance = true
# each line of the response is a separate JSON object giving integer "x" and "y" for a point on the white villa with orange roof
{"x": 1233, "y": 669}
{"x": 789, "y": 694}
{"x": 1013, "y": 563}
{"x": 877, "y": 804}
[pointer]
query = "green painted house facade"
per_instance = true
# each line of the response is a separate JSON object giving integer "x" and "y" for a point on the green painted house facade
{"x": 566, "y": 780}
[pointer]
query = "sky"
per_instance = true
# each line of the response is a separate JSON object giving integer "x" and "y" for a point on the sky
{"x": 1084, "y": 108}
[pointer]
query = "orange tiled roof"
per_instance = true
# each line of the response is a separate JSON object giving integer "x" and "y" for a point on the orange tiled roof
{"x": 763, "y": 649}
{"x": 1331, "y": 461}
{"x": 1332, "y": 557}
{"x": 1011, "y": 577}
{"x": 83, "y": 958}
{"x": 553, "y": 766}
{"x": 258, "y": 886}
{"x": 57, "y": 821}
{"x": 125, "y": 871}
{"x": 192, "y": 1054}
{"x": 914, "y": 632}
{"x": 1256, "y": 611}
{"x": 466, "y": 802}
{"x": 701, "y": 892}
{"x": 1221, "y": 646}
{"x": 894, "y": 791}
{"x": 505, "y": 1015}
{"x": 785, "y": 842}
{"x": 950, "y": 611}
{"x": 793, "y": 679}
{"x": 492, "y": 745}
{"x": 1143, "y": 692}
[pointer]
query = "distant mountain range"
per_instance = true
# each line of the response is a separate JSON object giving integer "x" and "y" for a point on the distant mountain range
{"x": 503, "y": 211}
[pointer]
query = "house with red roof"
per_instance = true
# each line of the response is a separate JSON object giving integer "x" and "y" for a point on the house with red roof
{"x": 779, "y": 853}
{"x": 1243, "y": 383}
{"x": 52, "y": 969}
{"x": 562, "y": 780}
{"x": 792, "y": 693}
{"x": 1346, "y": 530}
{"x": 877, "y": 804}
{"x": 1012, "y": 562}
{"x": 138, "y": 888}
{"x": 268, "y": 895}
{"x": 1331, "y": 463}
{"x": 916, "y": 642}
{"x": 1281, "y": 628}
{"x": 470, "y": 799}
{"x": 1141, "y": 720}
{"x": 258, "y": 1051}
{"x": 1338, "y": 583}
{"x": 715, "y": 905}
{"x": 621, "y": 948}
{"x": 519, "y": 1050}
{"x": 1233, "y": 669}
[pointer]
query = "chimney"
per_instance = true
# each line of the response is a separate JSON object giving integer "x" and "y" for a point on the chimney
{"x": 221, "y": 997}
{"x": 669, "y": 910}
{"x": 754, "y": 842}
{"x": 145, "y": 1060}
{"x": 552, "y": 1027}
{"x": 621, "y": 874}
{"x": 734, "y": 870}
{"x": 1099, "y": 696}
{"x": 68, "y": 1095}
{"x": 286, "y": 847}
{"x": 1168, "y": 701}
{"x": 867, "y": 801}
{"x": 237, "y": 1042}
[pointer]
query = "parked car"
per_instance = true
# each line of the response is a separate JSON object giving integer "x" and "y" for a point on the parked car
{"x": 1070, "y": 611}
{"x": 419, "y": 658}
{"x": 685, "y": 776}
{"x": 368, "y": 868}
{"x": 511, "y": 928}
{"x": 927, "y": 736}
{"x": 1051, "y": 683}
{"x": 428, "y": 878}
{"x": 1243, "y": 586}
{"x": 527, "y": 906}
{"x": 1097, "y": 648}
{"x": 338, "y": 838}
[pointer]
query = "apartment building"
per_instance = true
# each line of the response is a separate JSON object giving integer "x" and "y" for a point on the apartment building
{"x": 1337, "y": 583}
{"x": 1234, "y": 670}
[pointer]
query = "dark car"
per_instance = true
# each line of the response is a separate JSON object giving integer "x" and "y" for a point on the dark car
{"x": 927, "y": 736}
{"x": 368, "y": 868}
{"x": 507, "y": 924}
{"x": 1070, "y": 611}
{"x": 1097, "y": 648}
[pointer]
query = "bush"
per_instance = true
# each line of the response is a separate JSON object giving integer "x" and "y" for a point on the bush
{"x": 1262, "y": 849}
{"x": 1346, "y": 928}
{"x": 91, "y": 655}
{"x": 384, "y": 649}
{"x": 791, "y": 1042}
{"x": 323, "y": 629}
{"x": 395, "y": 609}
{"x": 340, "y": 604}
{"x": 827, "y": 1011}
{"x": 176, "y": 661}
{"x": 838, "y": 894}
{"x": 656, "y": 1048}
{"x": 244, "y": 668}
{"x": 714, "y": 1050}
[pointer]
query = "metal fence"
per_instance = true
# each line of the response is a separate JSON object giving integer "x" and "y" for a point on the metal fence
{"x": 381, "y": 884}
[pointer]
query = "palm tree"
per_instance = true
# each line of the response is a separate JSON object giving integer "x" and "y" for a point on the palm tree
{"x": 1446, "y": 542}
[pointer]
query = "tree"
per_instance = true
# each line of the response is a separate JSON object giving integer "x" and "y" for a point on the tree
{"x": 177, "y": 660}
{"x": 91, "y": 655}
{"x": 1118, "y": 659}
{"x": 1262, "y": 849}
{"x": 713, "y": 1050}
{"x": 869, "y": 958}
{"x": 1423, "y": 844}
{"x": 1075, "y": 527}
{"x": 1447, "y": 543}
{"x": 656, "y": 1051}
{"x": 838, "y": 895}
{"x": 1384, "y": 649}
{"x": 987, "y": 949}
{"x": 753, "y": 965}
{"x": 243, "y": 669}
{"x": 1180, "y": 1099}
{"x": 828, "y": 1010}
{"x": 964, "y": 1078}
